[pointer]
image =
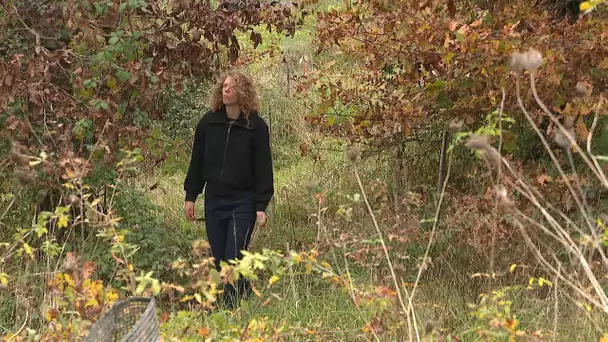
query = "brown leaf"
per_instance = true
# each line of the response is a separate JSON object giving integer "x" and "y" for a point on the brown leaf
{"x": 204, "y": 332}
{"x": 164, "y": 317}
{"x": 70, "y": 262}
{"x": 581, "y": 129}
{"x": 544, "y": 178}
{"x": 88, "y": 270}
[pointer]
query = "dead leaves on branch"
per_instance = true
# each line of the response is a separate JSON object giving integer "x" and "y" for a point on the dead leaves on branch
{"x": 96, "y": 75}
{"x": 420, "y": 64}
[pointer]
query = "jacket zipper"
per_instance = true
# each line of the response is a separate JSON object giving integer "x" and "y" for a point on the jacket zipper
{"x": 225, "y": 150}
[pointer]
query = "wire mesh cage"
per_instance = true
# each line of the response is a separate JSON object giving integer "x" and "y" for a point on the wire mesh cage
{"x": 132, "y": 319}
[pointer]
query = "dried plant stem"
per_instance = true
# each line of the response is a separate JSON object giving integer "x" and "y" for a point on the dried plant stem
{"x": 556, "y": 304}
{"x": 566, "y": 240}
{"x": 597, "y": 171}
{"x": 593, "y": 166}
{"x": 321, "y": 228}
{"x": 433, "y": 230}
{"x": 27, "y": 318}
{"x": 498, "y": 178}
{"x": 603, "y": 305}
{"x": 548, "y": 148}
{"x": 387, "y": 256}
{"x": 9, "y": 206}
{"x": 592, "y": 130}
{"x": 591, "y": 277}
{"x": 354, "y": 299}
{"x": 525, "y": 190}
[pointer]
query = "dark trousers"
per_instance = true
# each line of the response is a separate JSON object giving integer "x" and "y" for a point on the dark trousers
{"x": 230, "y": 221}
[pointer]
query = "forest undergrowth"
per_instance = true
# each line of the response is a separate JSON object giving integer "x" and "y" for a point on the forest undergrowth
{"x": 448, "y": 185}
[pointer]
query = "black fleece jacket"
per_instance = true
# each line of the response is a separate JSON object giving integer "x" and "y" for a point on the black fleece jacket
{"x": 231, "y": 157}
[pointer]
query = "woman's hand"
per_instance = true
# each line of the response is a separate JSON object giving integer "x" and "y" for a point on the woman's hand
{"x": 261, "y": 217}
{"x": 189, "y": 210}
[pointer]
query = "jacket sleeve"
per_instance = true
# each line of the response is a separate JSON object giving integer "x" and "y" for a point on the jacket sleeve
{"x": 194, "y": 182}
{"x": 264, "y": 178}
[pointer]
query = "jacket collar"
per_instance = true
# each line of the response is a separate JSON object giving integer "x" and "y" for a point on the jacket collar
{"x": 241, "y": 120}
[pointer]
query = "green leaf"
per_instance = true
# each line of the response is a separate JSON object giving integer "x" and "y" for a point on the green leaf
{"x": 122, "y": 7}
{"x": 123, "y": 76}
{"x": 63, "y": 221}
{"x": 40, "y": 230}
{"x": 509, "y": 146}
{"x": 113, "y": 40}
{"x": 542, "y": 281}
{"x": 89, "y": 83}
{"x": 443, "y": 100}
{"x": 4, "y": 279}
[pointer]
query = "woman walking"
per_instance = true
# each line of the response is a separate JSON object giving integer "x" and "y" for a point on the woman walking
{"x": 231, "y": 159}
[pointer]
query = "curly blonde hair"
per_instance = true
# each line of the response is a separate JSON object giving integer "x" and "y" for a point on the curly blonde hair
{"x": 245, "y": 89}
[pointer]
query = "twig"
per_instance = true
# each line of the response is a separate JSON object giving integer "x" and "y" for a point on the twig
{"x": 573, "y": 247}
{"x": 552, "y": 155}
{"x": 354, "y": 299}
{"x": 9, "y": 206}
{"x": 433, "y": 230}
{"x": 598, "y": 172}
{"x": 388, "y": 258}
{"x": 27, "y": 317}
{"x": 556, "y": 305}
{"x": 591, "y": 132}
{"x": 498, "y": 178}
{"x": 541, "y": 258}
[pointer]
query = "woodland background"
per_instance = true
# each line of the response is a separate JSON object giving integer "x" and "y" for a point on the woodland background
{"x": 440, "y": 167}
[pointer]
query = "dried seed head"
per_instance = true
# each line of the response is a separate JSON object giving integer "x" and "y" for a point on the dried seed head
{"x": 562, "y": 140}
{"x": 582, "y": 89}
{"x": 18, "y": 152}
{"x": 478, "y": 142}
{"x": 71, "y": 262}
{"x": 73, "y": 199}
{"x": 353, "y": 153}
{"x": 491, "y": 156}
{"x": 25, "y": 176}
{"x": 533, "y": 60}
{"x": 24, "y": 304}
{"x": 503, "y": 198}
{"x": 456, "y": 125}
{"x": 569, "y": 122}
{"x": 515, "y": 62}
{"x": 530, "y": 60}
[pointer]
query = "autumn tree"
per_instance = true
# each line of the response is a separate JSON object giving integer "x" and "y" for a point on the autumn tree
{"x": 418, "y": 65}
{"x": 81, "y": 81}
